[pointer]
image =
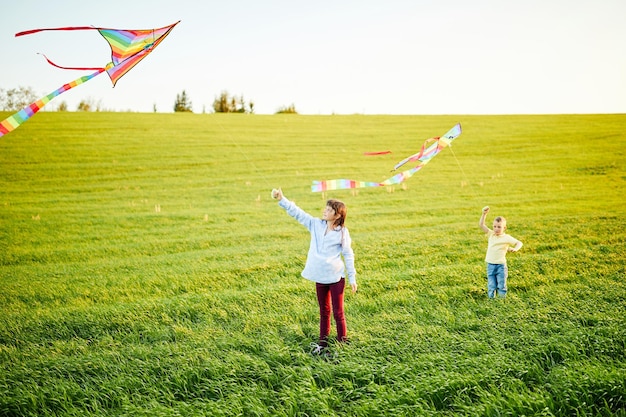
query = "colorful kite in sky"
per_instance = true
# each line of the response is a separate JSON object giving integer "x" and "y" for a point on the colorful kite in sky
{"x": 128, "y": 47}
{"x": 424, "y": 156}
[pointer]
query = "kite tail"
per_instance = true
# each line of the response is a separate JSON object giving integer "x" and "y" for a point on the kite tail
{"x": 341, "y": 184}
{"x": 13, "y": 122}
{"x": 30, "y": 32}
{"x": 344, "y": 184}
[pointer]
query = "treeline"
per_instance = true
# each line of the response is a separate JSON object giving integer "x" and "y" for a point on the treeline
{"x": 225, "y": 103}
{"x": 15, "y": 99}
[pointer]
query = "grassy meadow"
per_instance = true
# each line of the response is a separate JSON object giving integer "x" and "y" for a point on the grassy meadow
{"x": 145, "y": 270}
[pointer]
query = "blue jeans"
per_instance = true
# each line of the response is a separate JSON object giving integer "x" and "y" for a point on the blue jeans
{"x": 496, "y": 279}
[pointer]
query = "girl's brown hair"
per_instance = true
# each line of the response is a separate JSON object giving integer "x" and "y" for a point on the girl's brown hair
{"x": 340, "y": 209}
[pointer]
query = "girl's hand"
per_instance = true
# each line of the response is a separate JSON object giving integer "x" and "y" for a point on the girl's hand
{"x": 277, "y": 194}
{"x": 354, "y": 288}
{"x": 485, "y": 209}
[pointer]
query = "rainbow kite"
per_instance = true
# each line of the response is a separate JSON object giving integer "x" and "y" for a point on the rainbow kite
{"x": 128, "y": 47}
{"x": 424, "y": 156}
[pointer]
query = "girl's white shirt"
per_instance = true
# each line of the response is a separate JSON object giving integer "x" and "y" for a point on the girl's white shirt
{"x": 324, "y": 263}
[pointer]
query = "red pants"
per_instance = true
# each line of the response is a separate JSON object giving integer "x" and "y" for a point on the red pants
{"x": 326, "y": 293}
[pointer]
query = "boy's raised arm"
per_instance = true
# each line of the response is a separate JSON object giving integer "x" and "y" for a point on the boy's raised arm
{"x": 483, "y": 216}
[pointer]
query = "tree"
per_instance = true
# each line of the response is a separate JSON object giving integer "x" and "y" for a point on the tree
{"x": 220, "y": 104}
{"x": 84, "y": 105}
{"x": 16, "y": 98}
{"x": 89, "y": 104}
{"x": 227, "y": 104}
{"x": 291, "y": 109}
{"x": 183, "y": 103}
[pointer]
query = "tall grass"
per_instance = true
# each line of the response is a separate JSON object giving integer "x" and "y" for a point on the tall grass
{"x": 144, "y": 269}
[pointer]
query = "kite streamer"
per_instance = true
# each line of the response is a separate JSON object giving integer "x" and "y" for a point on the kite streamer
{"x": 424, "y": 156}
{"x": 128, "y": 47}
{"x": 376, "y": 153}
{"x": 12, "y": 122}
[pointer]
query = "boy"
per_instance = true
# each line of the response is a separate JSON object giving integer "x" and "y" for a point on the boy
{"x": 499, "y": 244}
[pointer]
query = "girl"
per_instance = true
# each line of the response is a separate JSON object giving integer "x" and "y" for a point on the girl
{"x": 330, "y": 241}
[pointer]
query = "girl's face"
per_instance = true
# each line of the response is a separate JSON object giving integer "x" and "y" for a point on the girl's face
{"x": 498, "y": 228}
{"x": 329, "y": 214}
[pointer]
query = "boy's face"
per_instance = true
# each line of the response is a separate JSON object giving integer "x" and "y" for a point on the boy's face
{"x": 498, "y": 228}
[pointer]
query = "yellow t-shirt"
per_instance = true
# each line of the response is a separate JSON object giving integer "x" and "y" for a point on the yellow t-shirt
{"x": 498, "y": 246}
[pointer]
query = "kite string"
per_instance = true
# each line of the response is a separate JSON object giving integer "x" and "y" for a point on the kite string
{"x": 465, "y": 178}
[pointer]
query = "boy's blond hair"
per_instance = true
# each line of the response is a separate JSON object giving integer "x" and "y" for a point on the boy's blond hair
{"x": 500, "y": 219}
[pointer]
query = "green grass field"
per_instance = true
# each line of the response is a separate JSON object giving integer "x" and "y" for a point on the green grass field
{"x": 145, "y": 270}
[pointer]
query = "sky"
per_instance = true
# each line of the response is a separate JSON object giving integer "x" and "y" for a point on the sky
{"x": 333, "y": 56}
